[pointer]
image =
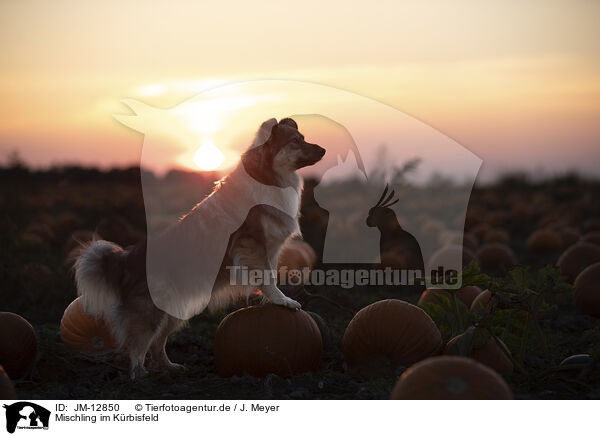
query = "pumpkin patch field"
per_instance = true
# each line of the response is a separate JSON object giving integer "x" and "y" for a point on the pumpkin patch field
{"x": 525, "y": 325}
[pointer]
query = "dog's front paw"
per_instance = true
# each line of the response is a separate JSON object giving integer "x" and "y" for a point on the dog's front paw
{"x": 175, "y": 367}
{"x": 137, "y": 372}
{"x": 166, "y": 366}
{"x": 289, "y": 303}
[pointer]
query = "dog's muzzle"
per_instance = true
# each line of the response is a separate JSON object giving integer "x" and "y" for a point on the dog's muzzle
{"x": 312, "y": 154}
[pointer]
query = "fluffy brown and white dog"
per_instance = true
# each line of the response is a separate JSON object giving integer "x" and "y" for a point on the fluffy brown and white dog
{"x": 142, "y": 310}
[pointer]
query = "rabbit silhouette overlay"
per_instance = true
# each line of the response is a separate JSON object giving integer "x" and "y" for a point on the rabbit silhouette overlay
{"x": 397, "y": 247}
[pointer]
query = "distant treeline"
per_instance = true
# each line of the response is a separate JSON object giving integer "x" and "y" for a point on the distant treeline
{"x": 16, "y": 170}
{"x": 76, "y": 173}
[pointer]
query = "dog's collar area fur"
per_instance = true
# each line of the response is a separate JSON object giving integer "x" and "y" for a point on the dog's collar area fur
{"x": 243, "y": 186}
{"x": 255, "y": 161}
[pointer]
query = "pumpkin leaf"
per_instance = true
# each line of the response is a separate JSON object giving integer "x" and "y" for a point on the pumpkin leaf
{"x": 464, "y": 343}
{"x": 435, "y": 312}
{"x": 443, "y": 301}
{"x": 481, "y": 337}
{"x": 463, "y": 312}
{"x": 472, "y": 276}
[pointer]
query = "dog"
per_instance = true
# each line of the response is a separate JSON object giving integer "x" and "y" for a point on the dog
{"x": 144, "y": 304}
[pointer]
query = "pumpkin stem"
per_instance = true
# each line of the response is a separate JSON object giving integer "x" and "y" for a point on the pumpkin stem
{"x": 508, "y": 354}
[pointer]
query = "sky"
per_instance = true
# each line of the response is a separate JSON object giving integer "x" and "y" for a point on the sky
{"x": 515, "y": 82}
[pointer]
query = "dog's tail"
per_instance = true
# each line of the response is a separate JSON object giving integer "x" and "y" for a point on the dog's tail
{"x": 96, "y": 274}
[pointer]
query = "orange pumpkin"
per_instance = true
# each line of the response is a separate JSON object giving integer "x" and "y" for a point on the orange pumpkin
{"x": 18, "y": 344}
{"x": 522, "y": 212}
{"x": 295, "y": 256}
{"x": 431, "y": 226}
{"x": 497, "y": 235}
{"x": 576, "y": 258}
{"x": 592, "y": 224}
{"x": 544, "y": 241}
{"x": 489, "y": 354}
{"x": 468, "y": 256}
{"x": 482, "y": 299}
{"x": 38, "y": 231}
{"x": 431, "y": 296}
{"x": 497, "y": 218}
{"x": 592, "y": 237}
{"x": 32, "y": 238}
{"x": 269, "y": 339}
{"x": 7, "y": 391}
{"x": 466, "y": 295}
{"x": 470, "y": 241}
{"x": 81, "y": 331}
{"x": 453, "y": 237}
{"x": 308, "y": 250}
{"x": 480, "y": 230}
{"x": 393, "y": 330}
{"x": 568, "y": 236}
{"x": 495, "y": 256}
{"x": 586, "y": 291}
{"x": 450, "y": 378}
{"x": 447, "y": 256}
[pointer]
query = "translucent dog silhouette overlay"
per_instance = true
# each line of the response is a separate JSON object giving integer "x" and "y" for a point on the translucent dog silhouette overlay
{"x": 347, "y": 240}
{"x": 182, "y": 266}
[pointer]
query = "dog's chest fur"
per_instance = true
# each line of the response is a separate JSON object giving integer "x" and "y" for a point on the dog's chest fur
{"x": 255, "y": 244}
{"x": 268, "y": 227}
{"x": 277, "y": 227}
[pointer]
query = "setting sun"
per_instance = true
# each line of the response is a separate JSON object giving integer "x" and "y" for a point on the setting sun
{"x": 208, "y": 157}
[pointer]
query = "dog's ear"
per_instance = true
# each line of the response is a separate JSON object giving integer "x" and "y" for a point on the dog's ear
{"x": 289, "y": 122}
{"x": 264, "y": 133}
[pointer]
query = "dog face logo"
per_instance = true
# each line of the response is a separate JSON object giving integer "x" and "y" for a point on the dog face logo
{"x": 26, "y": 415}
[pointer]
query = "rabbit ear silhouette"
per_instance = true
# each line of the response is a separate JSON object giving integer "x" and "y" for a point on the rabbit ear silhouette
{"x": 382, "y": 195}
{"x": 386, "y": 202}
{"x": 389, "y": 197}
{"x": 392, "y": 203}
